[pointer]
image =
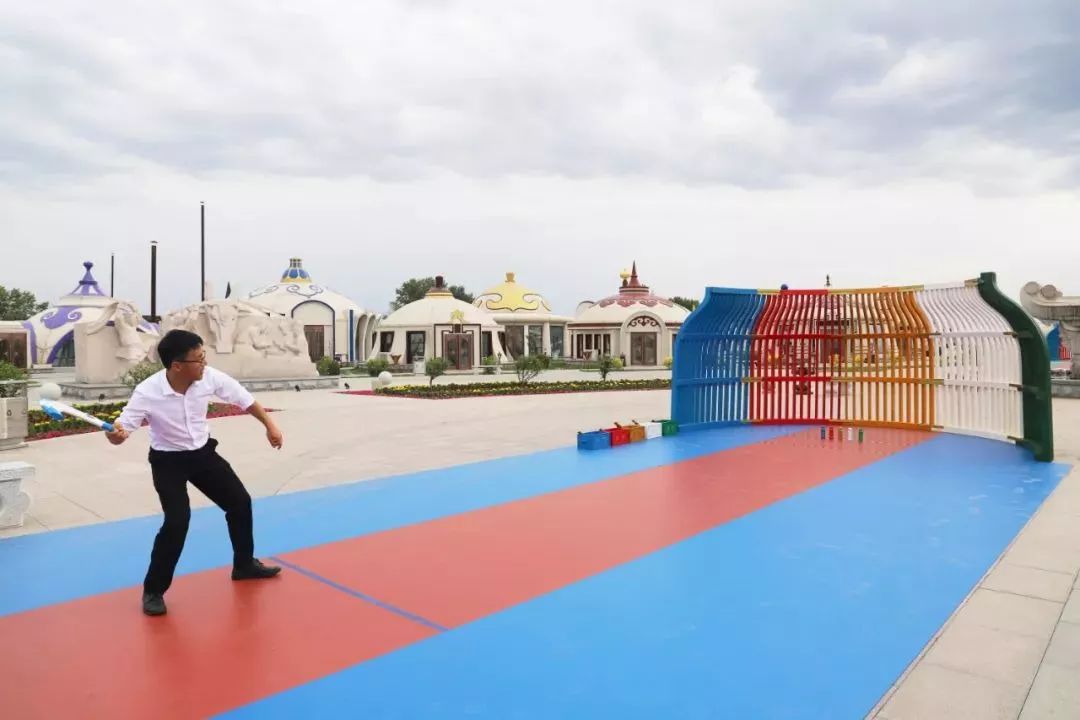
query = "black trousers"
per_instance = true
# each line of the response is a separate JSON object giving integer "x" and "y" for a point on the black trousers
{"x": 214, "y": 477}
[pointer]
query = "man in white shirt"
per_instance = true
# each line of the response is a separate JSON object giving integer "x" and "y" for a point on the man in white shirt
{"x": 173, "y": 402}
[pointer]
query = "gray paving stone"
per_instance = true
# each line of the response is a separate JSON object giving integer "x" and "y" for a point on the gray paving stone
{"x": 933, "y": 692}
{"x": 1028, "y": 616}
{"x": 1054, "y": 696}
{"x": 1033, "y": 582}
{"x": 988, "y": 652}
{"x": 1064, "y": 650}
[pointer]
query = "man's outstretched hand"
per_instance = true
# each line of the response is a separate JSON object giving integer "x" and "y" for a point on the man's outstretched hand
{"x": 273, "y": 435}
{"x": 117, "y": 436}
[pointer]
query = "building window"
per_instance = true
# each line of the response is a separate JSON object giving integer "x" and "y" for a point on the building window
{"x": 387, "y": 341}
{"x": 557, "y": 337}
{"x": 536, "y": 340}
{"x": 485, "y": 344}
{"x": 414, "y": 341}
{"x": 515, "y": 341}
{"x": 316, "y": 340}
{"x": 13, "y": 349}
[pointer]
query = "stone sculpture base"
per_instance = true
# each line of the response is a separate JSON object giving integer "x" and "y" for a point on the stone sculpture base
{"x": 86, "y": 391}
{"x": 14, "y": 501}
{"x": 246, "y": 341}
{"x": 1065, "y": 388}
{"x": 319, "y": 382}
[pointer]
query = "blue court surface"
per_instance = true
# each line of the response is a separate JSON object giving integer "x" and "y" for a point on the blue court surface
{"x": 748, "y": 572}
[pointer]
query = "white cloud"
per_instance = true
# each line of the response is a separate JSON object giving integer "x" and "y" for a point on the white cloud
{"x": 716, "y": 142}
{"x": 932, "y": 74}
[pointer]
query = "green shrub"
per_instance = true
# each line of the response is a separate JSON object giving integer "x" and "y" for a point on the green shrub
{"x": 435, "y": 367}
{"x": 607, "y": 364}
{"x": 137, "y": 373}
{"x": 489, "y": 364}
{"x": 528, "y": 367}
{"x": 376, "y": 366}
{"x": 328, "y": 366}
{"x": 490, "y": 389}
{"x": 8, "y": 371}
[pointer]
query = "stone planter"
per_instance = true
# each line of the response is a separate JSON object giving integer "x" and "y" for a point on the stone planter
{"x": 13, "y": 424}
{"x": 14, "y": 502}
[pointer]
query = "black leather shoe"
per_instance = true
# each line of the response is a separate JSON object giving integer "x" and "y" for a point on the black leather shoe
{"x": 255, "y": 571}
{"x": 153, "y": 604}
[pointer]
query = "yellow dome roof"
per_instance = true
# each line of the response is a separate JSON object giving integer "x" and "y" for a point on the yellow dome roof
{"x": 508, "y": 296}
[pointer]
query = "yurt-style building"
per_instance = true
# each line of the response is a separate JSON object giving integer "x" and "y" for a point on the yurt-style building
{"x": 527, "y": 325}
{"x": 438, "y": 325}
{"x": 52, "y": 331}
{"x": 334, "y": 325}
{"x": 633, "y": 324}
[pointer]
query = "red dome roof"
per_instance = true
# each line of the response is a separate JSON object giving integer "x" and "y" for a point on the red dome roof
{"x": 633, "y": 292}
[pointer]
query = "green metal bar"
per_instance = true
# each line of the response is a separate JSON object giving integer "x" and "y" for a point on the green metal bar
{"x": 1035, "y": 370}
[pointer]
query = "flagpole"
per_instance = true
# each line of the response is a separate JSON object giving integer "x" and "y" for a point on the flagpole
{"x": 202, "y": 225}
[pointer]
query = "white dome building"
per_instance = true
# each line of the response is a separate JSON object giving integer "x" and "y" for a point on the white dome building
{"x": 52, "y": 331}
{"x": 438, "y": 325}
{"x": 528, "y": 325}
{"x": 634, "y": 324}
{"x": 335, "y": 326}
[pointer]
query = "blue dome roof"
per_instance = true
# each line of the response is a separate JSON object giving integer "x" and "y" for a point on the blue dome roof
{"x": 295, "y": 273}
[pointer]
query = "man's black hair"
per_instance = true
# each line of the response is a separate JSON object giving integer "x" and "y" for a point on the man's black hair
{"x": 176, "y": 344}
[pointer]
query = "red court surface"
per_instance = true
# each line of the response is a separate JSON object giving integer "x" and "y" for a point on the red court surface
{"x": 229, "y": 644}
{"x": 462, "y": 567}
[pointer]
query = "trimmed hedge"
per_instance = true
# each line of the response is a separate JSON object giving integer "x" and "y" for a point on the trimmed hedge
{"x": 43, "y": 427}
{"x": 460, "y": 390}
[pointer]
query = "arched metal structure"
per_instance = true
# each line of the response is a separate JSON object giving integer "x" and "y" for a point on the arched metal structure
{"x": 959, "y": 357}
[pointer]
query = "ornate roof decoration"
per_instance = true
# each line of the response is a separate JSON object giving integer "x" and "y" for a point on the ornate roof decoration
{"x": 633, "y": 292}
{"x": 295, "y": 273}
{"x": 509, "y": 296}
{"x": 88, "y": 285}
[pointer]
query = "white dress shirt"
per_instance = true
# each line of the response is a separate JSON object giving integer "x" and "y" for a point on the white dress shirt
{"x": 178, "y": 422}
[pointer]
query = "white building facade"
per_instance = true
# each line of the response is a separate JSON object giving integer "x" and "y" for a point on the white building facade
{"x": 438, "y": 325}
{"x": 52, "y": 331}
{"x": 527, "y": 325}
{"x": 634, "y": 325}
{"x": 334, "y": 325}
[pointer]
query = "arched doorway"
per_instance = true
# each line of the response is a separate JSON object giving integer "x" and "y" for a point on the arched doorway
{"x": 318, "y": 321}
{"x": 644, "y": 332}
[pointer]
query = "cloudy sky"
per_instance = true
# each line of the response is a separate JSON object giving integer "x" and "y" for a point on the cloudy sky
{"x": 716, "y": 143}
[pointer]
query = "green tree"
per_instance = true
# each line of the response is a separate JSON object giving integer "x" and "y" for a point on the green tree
{"x": 528, "y": 367}
{"x": 435, "y": 367}
{"x": 18, "y": 304}
{"x": 415, "y": 289}
{"x": 686, "y": 302}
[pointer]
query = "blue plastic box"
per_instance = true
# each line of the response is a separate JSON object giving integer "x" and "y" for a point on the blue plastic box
{"x": 595, "y": 440}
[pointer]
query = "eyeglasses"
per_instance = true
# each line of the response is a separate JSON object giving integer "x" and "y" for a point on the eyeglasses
{"x": 197, "y": 361}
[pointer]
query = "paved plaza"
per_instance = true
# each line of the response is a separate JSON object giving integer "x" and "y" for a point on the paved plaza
{"x": 1011, "y": 650}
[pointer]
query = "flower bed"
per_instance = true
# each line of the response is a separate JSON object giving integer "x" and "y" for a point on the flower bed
{"x": 43, "y": 427}
{"x": 460, "y": 390}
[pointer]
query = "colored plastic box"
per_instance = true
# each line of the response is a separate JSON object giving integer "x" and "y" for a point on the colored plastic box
{"x": 619, "y": 436}
{"x": 653, "y": 430}
{"x": 668, "y": 427}
{"x": 594, "y": 440}
{"x": 637, "y": 432}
